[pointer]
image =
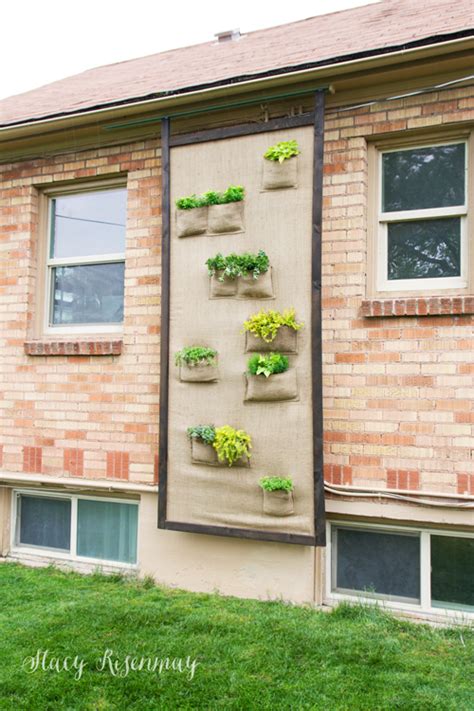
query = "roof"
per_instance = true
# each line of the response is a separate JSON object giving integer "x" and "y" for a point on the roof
{"x": 361, "y": 31}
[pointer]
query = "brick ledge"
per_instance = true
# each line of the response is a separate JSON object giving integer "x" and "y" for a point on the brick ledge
{"x": 419, "y": 306}
{"x": 73, "y": 347}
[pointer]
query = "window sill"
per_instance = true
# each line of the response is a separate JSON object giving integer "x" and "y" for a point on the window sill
{"x": 419, "y": 306}
{"x": 73, "y": 347}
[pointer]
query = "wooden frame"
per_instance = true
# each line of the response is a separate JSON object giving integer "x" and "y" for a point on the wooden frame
{"x": 315, "y": 118}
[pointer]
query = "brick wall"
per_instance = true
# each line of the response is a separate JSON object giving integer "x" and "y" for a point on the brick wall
{"x": 93, "y": 416}
{"x": 399, "y": 391}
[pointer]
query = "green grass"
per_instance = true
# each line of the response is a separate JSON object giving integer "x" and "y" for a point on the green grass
{"x": 252, "y": 655}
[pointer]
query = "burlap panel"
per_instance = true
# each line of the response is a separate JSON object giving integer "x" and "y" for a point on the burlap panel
{"x": 226, "y": 218}
{"x": 278, "y": 503}
{"x": 275, "y": 388}
{"x": 280, "y": 224}
{"x": 198, "y": 373}
{"x": 280, "y": 175}
{"x": 191, "y": 222}
{"x": 222, "y": 289}
{"x": 285, "y": 341}
{"x": 259, "y": 288}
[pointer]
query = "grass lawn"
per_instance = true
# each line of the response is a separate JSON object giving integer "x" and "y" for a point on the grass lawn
{"x": 251, "y": 655}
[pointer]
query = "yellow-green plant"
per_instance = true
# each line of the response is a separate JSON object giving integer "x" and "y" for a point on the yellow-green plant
{"x": 231, "y": 444}
{"x": 265, "y": 324}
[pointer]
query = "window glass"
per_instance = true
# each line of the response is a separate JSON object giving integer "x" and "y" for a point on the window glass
{"x": 452, "y": 571}
{"x": 88, "y": 294}
{"x": 422, "y": 178}
{"x": 423, "y": 249}
{"x": 45, "y": 522}
{"x": 88, "y": 224}
{"x": 376, "y": 562}
{"x": 107, "y": 530}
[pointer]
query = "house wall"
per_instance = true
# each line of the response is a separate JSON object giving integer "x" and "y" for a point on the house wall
{"x": 399, "y": 393}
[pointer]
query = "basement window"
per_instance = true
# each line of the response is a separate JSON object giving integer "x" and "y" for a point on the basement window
{"x": 423, "y": 570}
{"x": 75, "y": 527}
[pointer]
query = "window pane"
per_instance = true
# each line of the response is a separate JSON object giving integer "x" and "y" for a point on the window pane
{"x": 452, "y": 571}
{"x": 421, "y": 178}
{"x": 380, "y": 563}
{"x": 88, "y": 294}
{"x": 45, "y": 522}
{"x": 424, "y": 249}
{"x": 89, "y": 223}
{"x": 107, "y": 530}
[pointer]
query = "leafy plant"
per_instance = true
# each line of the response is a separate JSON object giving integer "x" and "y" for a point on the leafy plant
{"x": 231, "y": 444}
{"x": 188, "y": 203}
{"x": 235, "y": 265}
{"x": 207, "y": 433}
{"x": 211, "y": 198}
{"x": 276, "y": 483}
{"x": 234, "y": 193}
{"x": 196, "y": 355}
{"x": 282, "y": 151}
{"x": 267, "y": 365}
{"x": 265, "y": 324}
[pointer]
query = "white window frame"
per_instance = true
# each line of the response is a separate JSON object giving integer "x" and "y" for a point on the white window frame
{"x": 424, "y": 606}
{"x": 48, "y": 328}
{"x": 19, "y": 549}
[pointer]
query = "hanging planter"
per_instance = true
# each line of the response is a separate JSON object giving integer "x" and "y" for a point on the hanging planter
{"x": 244, "y": 276}
{"x": 269, "y": 379}
{"x": 191, "y": 216}
{"x": 280, "y": 166}
{"x": 226, "y": 210}
{"x": 277, "y": 496}
{"x": 268, "y": 331}
{"x": 197, "y": 364}
{"x": 219, "y": 446}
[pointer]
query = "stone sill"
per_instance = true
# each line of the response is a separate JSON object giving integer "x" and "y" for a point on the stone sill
{"x": 419, "y": 306}
{"x": 73, "y": 348}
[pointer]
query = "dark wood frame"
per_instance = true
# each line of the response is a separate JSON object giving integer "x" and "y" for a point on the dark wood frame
{"x": 315, "y": 118}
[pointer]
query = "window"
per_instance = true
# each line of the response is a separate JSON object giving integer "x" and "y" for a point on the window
{"x": 420, "y": 238}
{"x": 76, "y": 527}
{"x": 85, "y": 260}
{"x": 419, "y": 569}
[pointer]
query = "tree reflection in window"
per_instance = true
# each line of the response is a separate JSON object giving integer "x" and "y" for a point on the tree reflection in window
{"x": 424, "y": 249}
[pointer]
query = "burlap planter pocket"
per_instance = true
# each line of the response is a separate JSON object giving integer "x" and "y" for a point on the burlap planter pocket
{"x": 259, "y": 288}
{"x": 278, "y": 503}
{"x": 226, "y": 218}
{"x": 275, "y": 388}
{"x": 203, "y": 373}
{"x": 286, "y": 341}
{"x": 191, "y": 222}
{"x": 202, "y": 453}
{"x": 221, "y": 289}
{"x": 280, "y": 175}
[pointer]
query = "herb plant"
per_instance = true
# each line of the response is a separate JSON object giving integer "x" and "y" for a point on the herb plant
{"x": 267, "y": 365}
{"x": 196, "y": 355}
{"x": 231, "y": 444}
{"x": 276, "y": 483}
{"x": 188, "y": 203}
{"x": 207, "y": 433}
{"x": 236, "y": 265}
{"x": 282, "y": 151}
{"x": 265, "y": 324}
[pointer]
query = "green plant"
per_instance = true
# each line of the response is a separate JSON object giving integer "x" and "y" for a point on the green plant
{"x": 234, "y": 193}
{"x": 196, "y": 355}
{"x": 265, "y": 324}
{"x": 235, "y": 265}
{"x": 189, "y": 202}
{"x": 212, "y": 197}
{"x": 231, "y": 444}
{"x": 276, "y": 483}
{"x": 267, "y": 365}
{"x": 207, "y": 433}
{"x": 282, "y": 151}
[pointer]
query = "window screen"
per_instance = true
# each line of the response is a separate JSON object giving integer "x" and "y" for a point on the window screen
{"x": 107, "y": 530}
{"x": 452, "y": 571}
{"x": 45, "y": 522}
{"x": 375, "y": 562}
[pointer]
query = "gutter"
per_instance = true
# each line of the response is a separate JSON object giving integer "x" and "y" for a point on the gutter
{"x": 311, "y": 71}
{"x": 13, "y": 478}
